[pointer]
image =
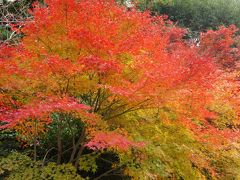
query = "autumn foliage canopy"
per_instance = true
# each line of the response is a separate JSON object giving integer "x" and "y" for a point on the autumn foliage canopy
{"x": 98, "y": 62}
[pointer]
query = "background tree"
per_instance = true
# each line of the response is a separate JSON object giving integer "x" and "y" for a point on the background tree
{"x": 197, "y": 15}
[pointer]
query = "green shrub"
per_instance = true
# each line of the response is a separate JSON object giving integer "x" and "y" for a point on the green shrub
{"x": 17, "y": 166}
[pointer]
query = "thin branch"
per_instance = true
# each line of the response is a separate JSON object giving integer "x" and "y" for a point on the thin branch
{"x": 43, "y": 162}
{"x": 134, "y": 108}
{"x": 107, "y": 173}
{"x": 62, "y": 153}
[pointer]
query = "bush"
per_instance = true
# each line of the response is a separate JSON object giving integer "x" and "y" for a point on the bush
{"x": 17, "y": 166}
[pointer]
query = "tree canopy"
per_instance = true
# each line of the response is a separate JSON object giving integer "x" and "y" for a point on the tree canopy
{"x": 114, "y": 91}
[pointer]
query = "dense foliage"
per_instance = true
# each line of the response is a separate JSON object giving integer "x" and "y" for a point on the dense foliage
{"x": 197, "y": 15}
{"x": 96, "y": 90}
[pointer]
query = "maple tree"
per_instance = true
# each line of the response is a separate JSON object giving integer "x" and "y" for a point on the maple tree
{"x": 98, "y": 65}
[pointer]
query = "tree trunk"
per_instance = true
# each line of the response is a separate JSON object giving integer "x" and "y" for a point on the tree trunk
{"x": 82, "y": 137}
